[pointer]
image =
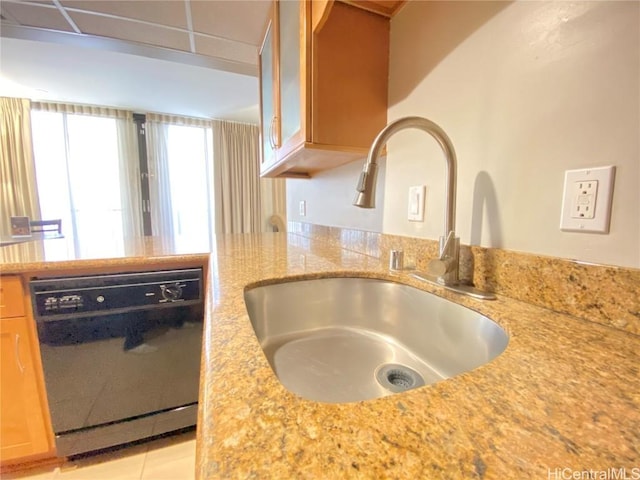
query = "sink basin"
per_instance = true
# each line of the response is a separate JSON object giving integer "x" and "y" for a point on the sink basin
{"x": 341, "y": 340}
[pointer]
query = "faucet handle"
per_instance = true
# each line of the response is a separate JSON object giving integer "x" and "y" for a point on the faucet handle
{"x": 445, "y": 268}
{"x": 446, "y": 244}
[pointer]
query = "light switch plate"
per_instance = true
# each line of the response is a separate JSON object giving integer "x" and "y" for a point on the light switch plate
{"x": 302, "y": 208}
{"x": 586, "y": 203}
{"x": 415, "y": 210}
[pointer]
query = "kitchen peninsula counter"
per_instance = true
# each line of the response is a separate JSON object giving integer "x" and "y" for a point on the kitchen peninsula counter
{"x": 27, "y": 423}
{"x": 139, "y": 252}
{"x": 564, "y": 396}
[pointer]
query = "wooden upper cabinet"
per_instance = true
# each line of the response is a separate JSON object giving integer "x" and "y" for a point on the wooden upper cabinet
{"x": 329, "y": 73}
{"x": 388, "y": 8}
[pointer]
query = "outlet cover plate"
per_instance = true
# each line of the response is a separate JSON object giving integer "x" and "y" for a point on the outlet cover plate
{"x": 586, "y": 201}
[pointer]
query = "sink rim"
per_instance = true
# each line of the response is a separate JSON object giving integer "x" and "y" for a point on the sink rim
{"x": 491, "y": 335}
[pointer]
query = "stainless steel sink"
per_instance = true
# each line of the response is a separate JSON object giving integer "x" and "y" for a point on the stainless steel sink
{"x": 349, "y": 339}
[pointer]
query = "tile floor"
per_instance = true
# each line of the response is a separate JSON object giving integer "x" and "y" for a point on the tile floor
{"x": 169, "y": 458}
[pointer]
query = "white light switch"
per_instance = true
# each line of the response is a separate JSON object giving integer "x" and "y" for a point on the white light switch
{"x": 586, "y": 203}
{"x": 416, "y": 203}
{"x": 302, "y": 208}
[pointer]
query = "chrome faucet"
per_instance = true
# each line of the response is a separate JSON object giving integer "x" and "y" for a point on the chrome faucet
{"x": 443, "y": 270}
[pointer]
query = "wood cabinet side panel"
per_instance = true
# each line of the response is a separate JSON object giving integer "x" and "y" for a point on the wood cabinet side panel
{"x": 350, "y": 77}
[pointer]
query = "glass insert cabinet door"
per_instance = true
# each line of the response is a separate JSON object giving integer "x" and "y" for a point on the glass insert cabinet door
{"x": 281, "y": 59}
{"x": 268, "y": 82}
{"x": 289, "y": 16}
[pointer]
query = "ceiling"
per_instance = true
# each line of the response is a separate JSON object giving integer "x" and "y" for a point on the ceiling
{"x": 188, "y": 57}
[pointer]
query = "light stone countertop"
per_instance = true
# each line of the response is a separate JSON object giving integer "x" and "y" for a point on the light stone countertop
{"x": 563, "y": 398}
{"x": 139, "y": 252}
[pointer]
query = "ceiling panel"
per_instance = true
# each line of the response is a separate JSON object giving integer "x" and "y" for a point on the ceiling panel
{"x": 240, "y": 20}
{"x": 110, "y": 63}
{"x": 131, "y": 31}
{"x": 73, "y": 74}
{"x": 35, "y": 16}
{"x": 231, "y": 30}
{"x": 221, "y": 48}
{"x": 163, "y": 12}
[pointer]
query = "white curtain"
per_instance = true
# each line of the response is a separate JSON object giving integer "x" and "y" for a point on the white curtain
{"x": 244, "y": 203}
{"x": 19, "y": 194}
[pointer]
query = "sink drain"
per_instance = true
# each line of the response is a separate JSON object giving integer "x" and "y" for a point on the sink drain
{"x": 398, "y": 378}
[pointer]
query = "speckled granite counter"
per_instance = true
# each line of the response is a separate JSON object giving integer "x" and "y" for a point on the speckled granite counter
{"x": 135, "y": 253}
{"x": 564, "y": 397}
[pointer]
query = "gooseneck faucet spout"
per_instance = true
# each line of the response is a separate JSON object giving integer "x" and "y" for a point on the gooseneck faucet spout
{"x": 445, "y": 268}
{"x": 365, "y": 197}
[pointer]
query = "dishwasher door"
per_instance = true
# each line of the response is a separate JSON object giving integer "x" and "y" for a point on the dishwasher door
{"x": 125, "y": 370}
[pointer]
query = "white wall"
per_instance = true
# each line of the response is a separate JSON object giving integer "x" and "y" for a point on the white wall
{"x": 525, "y": 91}
{"x": 329, "y": 199}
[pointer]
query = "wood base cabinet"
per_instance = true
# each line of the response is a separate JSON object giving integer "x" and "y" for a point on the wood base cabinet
{"x": 24, "y": 424}
{"x": 324, "y": 76}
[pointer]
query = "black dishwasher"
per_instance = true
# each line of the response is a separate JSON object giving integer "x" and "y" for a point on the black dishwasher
{"x": 121, "y": 355}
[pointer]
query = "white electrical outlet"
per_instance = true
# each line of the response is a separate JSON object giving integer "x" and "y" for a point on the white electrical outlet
{"x": 584, "y": 195}
{"x": 415, "y": 211}
{"x": 586, "y": 204}
{"x": 302, "y": 208}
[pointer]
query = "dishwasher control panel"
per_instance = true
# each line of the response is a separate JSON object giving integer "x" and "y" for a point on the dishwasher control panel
{"x": 102, "y": 294}
{"x": 63, "y": 302}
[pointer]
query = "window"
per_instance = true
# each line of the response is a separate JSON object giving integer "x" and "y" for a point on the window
{"x": 78, "y": 178}
{"x": 88, "y": 174}
{"x": 189, "y": 153}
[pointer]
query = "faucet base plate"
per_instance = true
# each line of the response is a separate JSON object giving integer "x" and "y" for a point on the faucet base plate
{"x": 467, "y": 290}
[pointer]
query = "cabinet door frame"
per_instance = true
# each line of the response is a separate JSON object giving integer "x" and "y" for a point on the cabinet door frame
{"x": 272, "y": 131}
{"x": 304, "y": 134}
{"x": 25, "y": 384}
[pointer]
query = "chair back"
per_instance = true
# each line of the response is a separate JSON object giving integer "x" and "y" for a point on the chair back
{"x": 38, "y": 226}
